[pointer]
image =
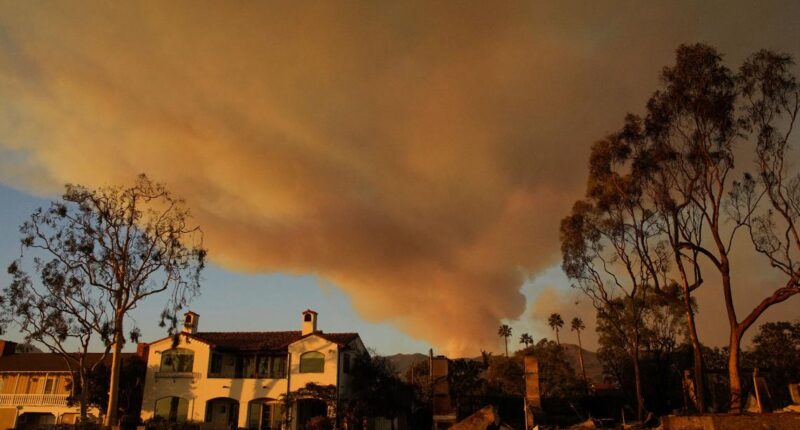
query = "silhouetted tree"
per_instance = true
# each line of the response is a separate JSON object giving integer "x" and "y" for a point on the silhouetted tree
{"x": 556, "y": 323}
{"x": 768, "y": 205}
{"x": 505, "y": 376}
{"x": 124, "y": 245}
{"x": 464, "y": 376}
{"x": 505, "y": 332}
{"x": 670, "y": 191}
{"x": 661, "y": 328}
{"x": 693, "y": 125}
{"x": 526, "y": 339}
{"x": 577, "y": 326}
{"x": 775, "y": 349}
{"x": 60, "y": 310}
{"x": 133, "y": 372}
{"x": 611, "y": 242}
{"x": 377, "y": 390}
{"x": 664, "y": 186}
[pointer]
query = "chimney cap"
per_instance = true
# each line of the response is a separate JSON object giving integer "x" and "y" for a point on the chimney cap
{"x": 191, "y": 313}
{"x": 309, "y": 311}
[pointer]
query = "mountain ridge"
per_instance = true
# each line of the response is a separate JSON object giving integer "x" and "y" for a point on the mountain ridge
{"x": 402, "y": 362}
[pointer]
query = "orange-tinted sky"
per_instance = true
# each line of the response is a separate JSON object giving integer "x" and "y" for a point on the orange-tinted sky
{"x": 417, "y": 155}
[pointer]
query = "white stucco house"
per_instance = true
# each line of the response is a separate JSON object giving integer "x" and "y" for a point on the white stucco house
{"x": 236, "y": 379}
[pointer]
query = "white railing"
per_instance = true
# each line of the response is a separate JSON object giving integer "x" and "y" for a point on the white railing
{"x": 33, "y": 399}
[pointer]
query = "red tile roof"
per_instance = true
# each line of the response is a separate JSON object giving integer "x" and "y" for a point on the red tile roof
{"x": 264, "y": 340}
{"x": 339, "y": 338}
{"x": 48, "y": 362}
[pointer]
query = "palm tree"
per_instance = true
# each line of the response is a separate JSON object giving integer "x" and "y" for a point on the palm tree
{"x": 525, "y": 339}
{"x": 505, "y": 333}
{"x": 556, "y": 323}
{"x": 577, "y": 326}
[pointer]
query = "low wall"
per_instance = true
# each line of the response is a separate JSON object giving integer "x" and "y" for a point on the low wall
{"x": 784, "y": 421}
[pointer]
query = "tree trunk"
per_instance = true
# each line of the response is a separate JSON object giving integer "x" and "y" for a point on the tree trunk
{"x": 583, "y": 367}
{"x": 558, "y": 341}
{"x": 734, "y": 346}
{"x": 116, "y": 361}
{"x": 84, "y": 397}
{"x": 506, "y": 339}
{"x": 733, "y": 371}
{"x": 638, "y": 380}
{"x": 699, "y": 373}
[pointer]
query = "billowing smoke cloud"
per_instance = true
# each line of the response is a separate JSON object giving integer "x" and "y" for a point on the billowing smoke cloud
{"x": 417, "y": 155}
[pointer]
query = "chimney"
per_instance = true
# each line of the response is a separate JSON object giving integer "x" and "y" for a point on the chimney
{"x": 190, "y": 320}
{"x": 309, "y": 322}
{"x": 142, "y": 350}
{"x": 440, "y": 368}
{"x": 7, "y": 348}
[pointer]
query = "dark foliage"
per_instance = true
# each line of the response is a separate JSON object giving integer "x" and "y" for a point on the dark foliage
{"x": 376, "y": 391}
{"x": 132, "y": 376}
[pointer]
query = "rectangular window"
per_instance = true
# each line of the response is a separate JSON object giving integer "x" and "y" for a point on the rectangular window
{"x": 238, "y": 370}
{"x": 50, "y": 385}
{"x": 312, "y": 362}
{"x": 250, "y": 367}
{"x": 245, "y": 366}
{"x": 177, "y": 360}
{"x": 255, "y": 415}
{"x": 271, "y": 366}
{"x": 33, "y": 385}
{"x": 262, "y": 366}
{"x": 276, "y": 416}
{"x": 278, "y": 367}
{"x": 216, "y": 363}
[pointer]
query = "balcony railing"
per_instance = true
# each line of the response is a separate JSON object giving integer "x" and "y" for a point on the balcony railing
{"x": 33, "y": 399}
{"x": 232, "y": 374}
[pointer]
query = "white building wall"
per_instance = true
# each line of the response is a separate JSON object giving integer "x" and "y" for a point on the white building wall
{"x": 314, "y": 343}
{"x": 199, "y": 389}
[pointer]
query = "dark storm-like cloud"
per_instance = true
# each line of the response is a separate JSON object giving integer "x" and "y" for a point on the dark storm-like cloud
{"x": 417, "y": 155}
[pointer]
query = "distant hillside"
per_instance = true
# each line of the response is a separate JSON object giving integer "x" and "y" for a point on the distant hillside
{"x": 594, "y": 370}
{"x": 403, "y": 362}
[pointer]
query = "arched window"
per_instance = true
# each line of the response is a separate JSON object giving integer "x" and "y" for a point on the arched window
{"x": 177, "y": 360}
{"x": 172, "y": 409}
{"x": 312, "y": 362}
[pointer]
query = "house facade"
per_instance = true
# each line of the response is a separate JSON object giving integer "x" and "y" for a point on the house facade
{"x": 35, "y": 388}
{"x": 242, "y": 379}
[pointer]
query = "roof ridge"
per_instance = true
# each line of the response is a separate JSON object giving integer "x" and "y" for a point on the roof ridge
{"x": 268, "y": 332}
{"x": 247, "y": 332}
{"x": 27, "y": 354}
